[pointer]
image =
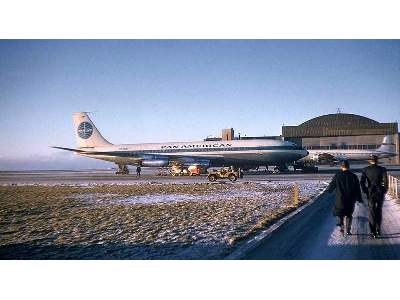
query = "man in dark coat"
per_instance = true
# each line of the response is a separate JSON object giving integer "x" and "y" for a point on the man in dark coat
{"x": 348, "y": 192}
{"x": 374, "y": 183}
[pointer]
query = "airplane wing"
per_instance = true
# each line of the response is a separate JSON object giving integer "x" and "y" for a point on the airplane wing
{"x": 69, "y": 149}
{"x": 173, "y": 158}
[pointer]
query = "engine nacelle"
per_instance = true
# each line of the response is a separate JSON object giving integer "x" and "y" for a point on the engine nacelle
{"x": 325, "y": 157}
{"x": 204, "y": 163}
{"x": 155, "y": 163}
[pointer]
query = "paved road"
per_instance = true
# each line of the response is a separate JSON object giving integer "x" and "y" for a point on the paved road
{"x": 313, "y": 235}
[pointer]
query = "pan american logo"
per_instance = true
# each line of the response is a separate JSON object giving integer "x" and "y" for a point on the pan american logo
{"x": 85, "y": 130}
{"x": 216, "y": 145}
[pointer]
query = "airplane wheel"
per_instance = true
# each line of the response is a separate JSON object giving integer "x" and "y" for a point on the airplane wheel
{"x": 232, "y": 177}
{"x": 212, "y": 178}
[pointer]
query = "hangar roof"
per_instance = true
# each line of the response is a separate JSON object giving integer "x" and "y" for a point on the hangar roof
{"x": 339, "y": 125}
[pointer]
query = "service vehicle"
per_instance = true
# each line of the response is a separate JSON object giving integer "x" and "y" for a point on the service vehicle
{"x": 224, "y": 173}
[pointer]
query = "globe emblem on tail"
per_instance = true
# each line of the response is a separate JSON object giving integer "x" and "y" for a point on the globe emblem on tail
{"x": 85, "y": 130}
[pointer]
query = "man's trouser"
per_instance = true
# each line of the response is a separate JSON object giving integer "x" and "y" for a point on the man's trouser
{"x": 375, "y": 204}
{"x": 341, "y": 221}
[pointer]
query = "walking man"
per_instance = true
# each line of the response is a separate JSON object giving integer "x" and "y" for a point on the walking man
{"x": 374, "y": 183}
{"x": 348, "y": 192}
{"x": 138, "y": 170}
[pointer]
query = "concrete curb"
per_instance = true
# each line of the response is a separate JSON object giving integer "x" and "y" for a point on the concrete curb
{"x": 255, "y": 241}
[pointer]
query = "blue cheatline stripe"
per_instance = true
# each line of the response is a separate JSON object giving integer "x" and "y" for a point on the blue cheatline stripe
{"x": 201, "y": 150}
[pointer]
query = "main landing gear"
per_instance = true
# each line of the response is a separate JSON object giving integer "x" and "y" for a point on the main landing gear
{"x": 280, "y": 168}
{"x": 122, "y": 170}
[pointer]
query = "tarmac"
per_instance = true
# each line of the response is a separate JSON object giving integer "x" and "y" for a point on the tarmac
{"x": 88, "y": 177}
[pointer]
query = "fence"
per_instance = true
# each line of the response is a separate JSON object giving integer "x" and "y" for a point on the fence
{"x": 394, "y": 186}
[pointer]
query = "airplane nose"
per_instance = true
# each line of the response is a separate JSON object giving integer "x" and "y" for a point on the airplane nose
{"x": 301, "y": 153}
{"x": 304, "y": 153}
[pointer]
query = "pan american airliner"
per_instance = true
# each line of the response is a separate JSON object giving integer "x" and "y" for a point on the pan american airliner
{"x": 237, "y": 153}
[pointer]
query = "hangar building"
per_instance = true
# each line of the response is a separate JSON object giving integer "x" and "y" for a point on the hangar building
{"x": 342, "y": 131}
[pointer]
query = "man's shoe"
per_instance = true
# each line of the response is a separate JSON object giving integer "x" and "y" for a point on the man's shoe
{"x": 373, "y": 235}
{"x": 378, "y": 232}
{"x": 348, "y": 232}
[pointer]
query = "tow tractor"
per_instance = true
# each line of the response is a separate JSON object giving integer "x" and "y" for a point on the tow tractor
{"x": 226, "y": 172}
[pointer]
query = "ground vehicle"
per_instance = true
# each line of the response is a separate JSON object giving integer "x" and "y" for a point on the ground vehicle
{"x": 226, "y": 172}
{"x": 179, "y": 171}
{"x": 183, "y": 171}
{"x": 194, "y": 170}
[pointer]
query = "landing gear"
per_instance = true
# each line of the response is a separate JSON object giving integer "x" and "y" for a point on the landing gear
{"x": 305, "y": 167}
{"x": 280, "y": 168}
{"x": 122, "y": 170}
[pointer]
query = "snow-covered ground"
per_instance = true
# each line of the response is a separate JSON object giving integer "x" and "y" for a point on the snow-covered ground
{"x": 147, "y": 221}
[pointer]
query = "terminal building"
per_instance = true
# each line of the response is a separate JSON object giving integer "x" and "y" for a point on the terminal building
{"x": 333, "y": 131}
{"x": 342, "y": 131}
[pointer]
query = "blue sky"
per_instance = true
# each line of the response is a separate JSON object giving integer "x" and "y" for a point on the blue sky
{"x": 178, "y": 90}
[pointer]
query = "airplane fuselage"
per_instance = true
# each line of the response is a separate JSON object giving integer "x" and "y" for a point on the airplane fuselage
{"x": 234, "y": 152}
{"x": 341, "y": 155}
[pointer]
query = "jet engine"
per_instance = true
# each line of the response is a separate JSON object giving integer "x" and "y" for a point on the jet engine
{"x": 188, "y": 161}
{"x": 155, "y": 163}
{"x": 325, "y": 158}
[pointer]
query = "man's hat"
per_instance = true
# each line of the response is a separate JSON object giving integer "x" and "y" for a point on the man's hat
{"x": 345, "y": 164}
{"x": 373, "y": 158}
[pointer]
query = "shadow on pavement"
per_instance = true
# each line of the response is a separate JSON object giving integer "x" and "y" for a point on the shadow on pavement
{"x": 389, "y": 235}
{"x": 364, "y": 252}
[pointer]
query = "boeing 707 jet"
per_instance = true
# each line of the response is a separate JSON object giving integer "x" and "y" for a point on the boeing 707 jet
{"x": 237, "y": 153}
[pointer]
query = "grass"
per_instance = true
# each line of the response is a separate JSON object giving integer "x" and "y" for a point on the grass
{"x": 68, "y": 215}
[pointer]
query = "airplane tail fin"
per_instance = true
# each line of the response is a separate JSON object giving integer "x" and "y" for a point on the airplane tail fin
{"x": 87, "y": 135}
{"x": 387, "y": 145}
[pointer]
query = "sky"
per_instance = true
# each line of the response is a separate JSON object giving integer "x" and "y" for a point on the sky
{"x": 182, "y": 90}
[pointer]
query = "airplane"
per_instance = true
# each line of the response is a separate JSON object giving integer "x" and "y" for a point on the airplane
{"x": 385, "y": 150}
{"x": 237, "y": 153}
